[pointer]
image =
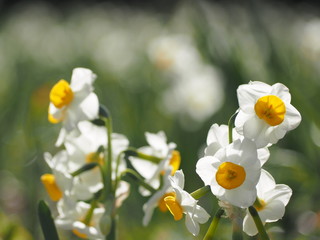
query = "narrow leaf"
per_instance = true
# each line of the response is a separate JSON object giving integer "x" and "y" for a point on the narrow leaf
{"x": 47, "y": 224}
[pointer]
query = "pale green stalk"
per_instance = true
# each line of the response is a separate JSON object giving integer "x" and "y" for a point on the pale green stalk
{"x": 200, "y": 192}
{"x": 214, "y": 224}
{"x": 230, "y": 126}
{"x": 262, "y": 232}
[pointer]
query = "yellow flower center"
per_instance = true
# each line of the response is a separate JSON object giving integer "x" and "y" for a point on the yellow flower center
{"x": 161, "y": 204}
{"x": 79, "y": 234}
{"x": 174, "y": 207}
{"x": 174, "y": 162}
{"x": 230, "y": 175}
{"x": 271, "y": 109}
{"x": 61, "y": 94}
{"x": 51, "y": 186}
{"x": 259, "y": 204}
{"x": 95, "y": 157}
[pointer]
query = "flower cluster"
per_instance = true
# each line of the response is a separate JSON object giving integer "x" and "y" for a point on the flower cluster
{"x": 89, "y": 175}
{"x": 234, "y": 157}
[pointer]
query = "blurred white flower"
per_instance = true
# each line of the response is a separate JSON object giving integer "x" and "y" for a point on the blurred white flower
{"x": 270, "y": 204}
{"x": 74, "y": 102}
{"x": 218, "y": 137}
{"x": 158, "y": 147}
{"x": 73, "y": 215}
{"x": 183, "y": 203}
{"x": 195, "y": 94}
{"x": 232, "y": 172}
{"x": 265, "y": 113}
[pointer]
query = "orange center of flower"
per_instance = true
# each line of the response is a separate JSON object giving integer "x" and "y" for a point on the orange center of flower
{"x": 61, "y": 94}
{"x": 95, "y": 157}
{"x": 161, "y": 204}
{"x": 174, "y": 207}
{"x": 51, "y": 186}
{"x": 271, "y": 109}
{"x": 230, "y": 175}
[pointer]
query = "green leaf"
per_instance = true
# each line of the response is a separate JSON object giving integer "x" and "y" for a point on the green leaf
{"x": 47, "y": 224}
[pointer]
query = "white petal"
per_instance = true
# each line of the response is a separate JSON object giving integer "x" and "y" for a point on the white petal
{"x": 265, "y": 184}
{"x": 248, "y": 94}
{"x": 192, "y": 226}
{"x": 292, "y": 117}
{"x": 205, "y": 169}
{"x": 249, "y": 227}
{"x": 82, "y": 79}
{"x": 281, "y": 91}
{"x": 241, "y": 197}
{"x": 255, "y": 129}
{"x": 281, "y": 192}
{"x": 272, "y": 212}
{"x": 178, "y": 178}
{"x": 263, "y": 155}
{"x": 90, "y": 106}
{"x": 201, "y": 215}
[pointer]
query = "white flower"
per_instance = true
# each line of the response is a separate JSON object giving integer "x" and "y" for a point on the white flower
{"x": 232, "y": 172}
{"x": 84, "y": 148}
{"x": 72, "y": 216}
{"x": 218, "y": 137}
{"x": 183, "y": 203}
{"x": 265, "y": 113}
{"x": 157, "y": 199}
{"x": 60, "y": 182}
{"x": 73, "y": 103}
{"x": 272, "y": 199}
{"x": 158, "y": 147}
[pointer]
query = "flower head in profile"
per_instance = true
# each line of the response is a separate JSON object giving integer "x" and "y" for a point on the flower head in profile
{"x": 74, "y": 102}
{"x": 182, "y": 203}
{"x": 232, "y": 172}
{"x": 270, "y": 204}
{"x": 158, "y": 147}
{"x": 265, "y": 113}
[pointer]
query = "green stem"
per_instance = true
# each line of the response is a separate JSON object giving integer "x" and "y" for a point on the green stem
{"x": 200, "y": 192}
{"x": 258, "y": 222}
{"x": 135, "y": 153}
{"x": 214, "y": 224}
{"x": 89, "y": 214}
{"x": 135, "y": 176}
{"x": 230, "y": 126}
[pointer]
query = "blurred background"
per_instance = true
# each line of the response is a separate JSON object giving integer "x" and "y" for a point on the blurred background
{"x": 161, "y": 65}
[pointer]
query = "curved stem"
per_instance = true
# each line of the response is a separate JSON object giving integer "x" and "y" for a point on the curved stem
{"x": 214, "y": 224}
{"x": 135, "y": 176}
{"x": 230, "y": 125}
{"x": 200, "y": 192}
{"x": 258, "y": 222}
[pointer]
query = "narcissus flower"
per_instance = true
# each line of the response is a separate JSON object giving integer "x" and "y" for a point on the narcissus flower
{"x": 181, "y": 202}
{"x": 218, "y": 137}
{"x": 270, "y": 204}
{"x": 158, "y": 147}
{"x": 265, "y": 113}
{"x": 79, "y": 217}
{"x": 232, "y": 172}
{"x": 74, "y": 102}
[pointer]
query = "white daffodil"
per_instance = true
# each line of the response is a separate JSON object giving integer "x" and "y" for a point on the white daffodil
{"x": 265, "y": 113}
{"x": 181, "y": 202}
{"x": 79, "y": 217}
{"x": 157, "y": 199}
{"x": 218, "y": 137}
{"x": 85, "y": 148}
{"x": 232, "y": 172}
{"x": 74, "y": 102}
{"x": 158, "y": 147}
{"x": 60, "y": 182}
{"x": 270, "y": 204}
